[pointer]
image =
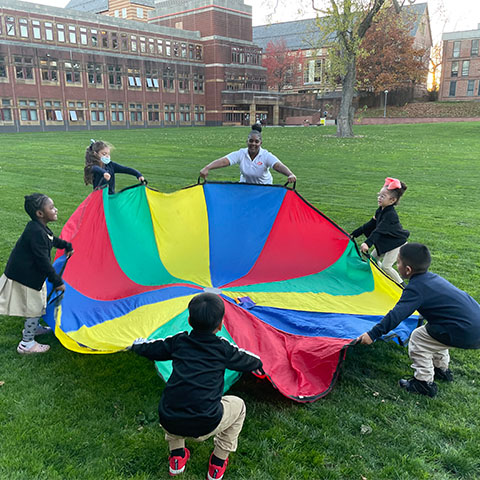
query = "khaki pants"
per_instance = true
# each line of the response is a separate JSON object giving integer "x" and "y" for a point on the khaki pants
{"x": 388, "y": 260}
{"x": 426, "y": 353}
{"x": 225, "y": 435}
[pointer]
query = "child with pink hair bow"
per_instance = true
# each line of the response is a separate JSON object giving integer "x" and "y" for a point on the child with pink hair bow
{"x": 384, "y": 230}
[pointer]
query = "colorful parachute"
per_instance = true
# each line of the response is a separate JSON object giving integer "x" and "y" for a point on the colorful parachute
{"x": 295, "y": 289}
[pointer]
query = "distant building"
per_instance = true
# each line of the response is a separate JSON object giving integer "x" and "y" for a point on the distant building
{"x": 460, "y": 78}
{"x": 305, "y": 36}
{"x": 130, "y": 64}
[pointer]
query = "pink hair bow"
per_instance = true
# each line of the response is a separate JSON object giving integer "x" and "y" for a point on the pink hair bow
{"x": 392, "y": 183}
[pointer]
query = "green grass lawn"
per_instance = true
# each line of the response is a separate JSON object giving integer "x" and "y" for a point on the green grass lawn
{"x": 88, "y": 417}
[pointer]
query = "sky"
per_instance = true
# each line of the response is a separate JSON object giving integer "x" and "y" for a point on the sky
{"x": 445, "y": 15}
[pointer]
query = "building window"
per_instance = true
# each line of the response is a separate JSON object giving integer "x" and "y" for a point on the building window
{"x": 184, "y": 50}
{"x": 53, "y": 111}
{"x": 470, "y": 88}
{"x": 72, "y": 73}
{"x": 184, "y": 113}
{"x": 465, "y": 68}
{"x": 94, "y": 74}
{"x": 76, "y": 112}
{"x": 198, "y": 52}
{"x": 160, "y": 47}
{"x": 28, "y": 110}
{"x": 114, "y": 41}
{"x": 24, "y": 68}
{"x": 169, "y": 113}
{"x": 133, "y": 43}
{"x": 143, "y": 47}
{"x": 474, "y": 50}
{"x": 124, "y": 12}
{"x": 176, "y": 49}
{"x": 139, "y": 12}
{"x": 117, "y": 112}
{"x": 3, "y": 68}
{"x": 183, "y": 82}
{"x": 134, "y": 79}
{"x": 114, "y": 76}
{"x": 60, "y": 32}
{"x": 72, "y": 34}
{"x": 37, "y": 35}
{"x": 83, "y": 36}
{"x": 49, "y": 70}
{"x": 23, "y": 25}
{"x": 151, "y": 46}
{"x": 97, "y": 112}
{"x": 152, "y": 78}
{"x": 104, "y": 36}
{"x": 49, "y": 31}
{"x": 10, "y": 26}
{"x": 198, "y": 83}
{"x": 453, "y": 88}
{"x": 124, "y": 41}
{"x": 238, "y": 55}
{"x": 456, "y": 49}
{"x": 168, "y": 51}
{"x": 153, "y": 112}
{"x": 191, "y": 52}
{"x": 6, "y": 111}
{"x": 168, "y": 77}
{"x": 454, "y": 70}
{"x": 199, "y": 113}
{"x": 136, "y": 113}
{"x": 116, "y": 13}
{"x": 94, "y": 37}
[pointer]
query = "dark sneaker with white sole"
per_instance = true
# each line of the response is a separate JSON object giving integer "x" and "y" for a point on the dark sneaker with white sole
{"x": 419, "y": 386}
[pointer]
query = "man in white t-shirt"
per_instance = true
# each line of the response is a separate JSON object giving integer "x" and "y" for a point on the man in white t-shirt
{"x": 254, "y": 162}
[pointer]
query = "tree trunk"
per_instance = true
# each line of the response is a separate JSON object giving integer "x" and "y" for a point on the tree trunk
{"x": 347, "y": 110}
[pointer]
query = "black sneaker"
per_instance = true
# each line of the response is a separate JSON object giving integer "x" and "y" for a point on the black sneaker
{"x": 419, "y": 386}
{"x": 444, "y": 375}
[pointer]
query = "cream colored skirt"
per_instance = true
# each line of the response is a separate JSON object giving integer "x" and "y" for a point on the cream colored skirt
{"x": 17, "y": 300}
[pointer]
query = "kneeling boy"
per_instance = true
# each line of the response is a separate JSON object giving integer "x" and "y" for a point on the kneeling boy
{"x": 192, "y": 404}
{"x": 453, "y": 320}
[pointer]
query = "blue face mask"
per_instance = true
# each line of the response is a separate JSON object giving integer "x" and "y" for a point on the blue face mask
{"x": 105, "y": 160}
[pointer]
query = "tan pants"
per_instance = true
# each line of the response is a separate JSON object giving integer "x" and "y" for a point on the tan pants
{"x": 426, "y": 353}
{"x": 225, "y": 435}
{"x": 388, "y": 259}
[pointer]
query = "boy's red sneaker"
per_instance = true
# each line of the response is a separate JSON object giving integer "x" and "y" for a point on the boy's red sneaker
{"x": 176, "y": 465}
{"x": 214, "y": 471}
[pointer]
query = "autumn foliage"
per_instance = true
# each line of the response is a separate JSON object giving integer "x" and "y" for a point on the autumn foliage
{"x": 282, "y": 65}
{"x": 389, "y": 59}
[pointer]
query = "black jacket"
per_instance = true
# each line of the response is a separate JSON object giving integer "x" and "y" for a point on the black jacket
{"x": 112, "y": 168}
{"x": 191, "y": 402}
{"x": 30, "y": 262}
{"x": 453, "y": 316}
{"x": 384, "y": 230}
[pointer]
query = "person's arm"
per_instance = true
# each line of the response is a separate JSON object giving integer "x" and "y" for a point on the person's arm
{"x": 282, "y": 168}
{"x": 219, "y": 163}
{"x": 160, "y": 349}
{"x": 366, "y": 228}
{"x": 101, "y": 174}
{"x": 117, "y": 168}
{"x": 63, "y": 245}
{"x": 408, "y": 303}
{"x": 241, "y": 360}
{"x": 40, "y": 248}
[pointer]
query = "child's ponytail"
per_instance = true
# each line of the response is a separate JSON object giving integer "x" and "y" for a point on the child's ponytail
{"x": 91, "y": 159}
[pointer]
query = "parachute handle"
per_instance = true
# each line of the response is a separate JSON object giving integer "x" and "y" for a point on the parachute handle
{"x": 294, "y": 185}
{"x": 60, "y": 273}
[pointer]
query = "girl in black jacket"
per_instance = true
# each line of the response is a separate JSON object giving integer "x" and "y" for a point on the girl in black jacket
{"x": 22, "y": 286}
{"x": 384, "y": 231}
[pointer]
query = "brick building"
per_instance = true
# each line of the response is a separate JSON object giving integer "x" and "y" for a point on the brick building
{"x": 460, "y": 79}
{"x": 129, "y": 64}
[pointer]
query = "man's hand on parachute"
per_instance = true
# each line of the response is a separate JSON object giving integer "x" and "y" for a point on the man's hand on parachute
{"x": 365, "y": 339}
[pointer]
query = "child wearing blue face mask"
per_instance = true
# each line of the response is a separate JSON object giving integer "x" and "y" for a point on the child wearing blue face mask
{"x": 100, "y": 170}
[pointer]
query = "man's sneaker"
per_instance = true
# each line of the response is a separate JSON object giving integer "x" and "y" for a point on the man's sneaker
{"x": 176, "y": 465}
{"x": 419, "y": 386}
{"x": 444, "y": 375}
{"x": 214, "y": 471}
